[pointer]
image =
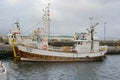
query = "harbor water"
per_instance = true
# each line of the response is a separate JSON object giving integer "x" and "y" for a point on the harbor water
{"x": 108, "y": 69}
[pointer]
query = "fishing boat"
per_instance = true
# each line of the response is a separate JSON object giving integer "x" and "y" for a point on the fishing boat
{"x": 86, "y": 45}
{"x": 85, "y": 49}
{"x": 3, "y": 72}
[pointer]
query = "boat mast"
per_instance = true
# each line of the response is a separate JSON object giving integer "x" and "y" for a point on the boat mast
{"x": 92, "y": 30}
{"x": 46, "y": 19}
{"x": 48, "y": 13}
{"x": 17, "y": 25}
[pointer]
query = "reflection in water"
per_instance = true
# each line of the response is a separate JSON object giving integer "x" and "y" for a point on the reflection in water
{"x": 100, "y": 70}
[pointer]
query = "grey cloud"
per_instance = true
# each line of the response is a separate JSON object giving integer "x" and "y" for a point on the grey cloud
{"x": 68, "y": 16}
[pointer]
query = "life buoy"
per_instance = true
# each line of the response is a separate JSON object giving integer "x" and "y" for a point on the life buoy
{"x": 44, "y": 47}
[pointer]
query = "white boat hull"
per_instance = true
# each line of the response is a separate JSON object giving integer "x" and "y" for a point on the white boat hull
{"x": 31, "y": 54}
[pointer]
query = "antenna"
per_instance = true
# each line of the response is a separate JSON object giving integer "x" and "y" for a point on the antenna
{"x": 96, "y": 24}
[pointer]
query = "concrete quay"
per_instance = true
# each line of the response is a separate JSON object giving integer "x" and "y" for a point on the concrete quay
{"x": 113, "y": 50}
{"x": 5, "y": 51}
{"x": 113, "y": 46}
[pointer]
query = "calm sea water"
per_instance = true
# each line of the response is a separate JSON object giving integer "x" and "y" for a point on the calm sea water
{"x": 109, "y": 69}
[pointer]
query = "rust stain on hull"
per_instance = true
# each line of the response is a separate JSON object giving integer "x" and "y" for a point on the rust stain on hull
{"x": 37, "y": 57}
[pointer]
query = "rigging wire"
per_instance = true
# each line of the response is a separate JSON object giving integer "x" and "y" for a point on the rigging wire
{"x": 32, "y": 27}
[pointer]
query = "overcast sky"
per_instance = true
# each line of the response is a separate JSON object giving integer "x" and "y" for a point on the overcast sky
{"x": 67, "y": 16}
